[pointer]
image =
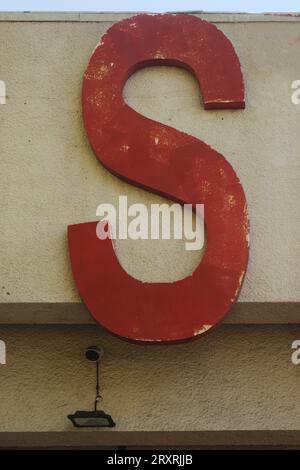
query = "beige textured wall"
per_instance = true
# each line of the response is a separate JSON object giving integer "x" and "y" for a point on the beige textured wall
{"x": 239, "y": 378}
{"x": 236, "y": 378}
{"x": 51, "y": 177}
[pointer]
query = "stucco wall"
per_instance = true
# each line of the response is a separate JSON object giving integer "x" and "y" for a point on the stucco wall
{"x": 239, "y": 378}
{"x": 51, "y": 177}
{"x": 236, "y": 378}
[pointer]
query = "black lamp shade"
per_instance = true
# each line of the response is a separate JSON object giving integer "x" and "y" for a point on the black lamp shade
{"x": 91, "y": 419}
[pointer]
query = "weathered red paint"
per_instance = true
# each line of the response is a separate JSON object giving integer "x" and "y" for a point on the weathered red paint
{"x": 167, "y": 162}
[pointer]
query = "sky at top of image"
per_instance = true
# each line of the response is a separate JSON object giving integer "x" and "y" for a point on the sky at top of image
{"x": 249, "y": 6}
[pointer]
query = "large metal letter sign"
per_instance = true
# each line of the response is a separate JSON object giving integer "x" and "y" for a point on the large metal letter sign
{"x": 178, "y": 166}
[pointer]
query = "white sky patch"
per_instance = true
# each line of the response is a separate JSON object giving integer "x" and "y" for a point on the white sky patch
{"x": 250, "y": 6}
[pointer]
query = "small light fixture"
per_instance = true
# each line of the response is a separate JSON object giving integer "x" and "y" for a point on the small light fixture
{"x": 95, "y": 418}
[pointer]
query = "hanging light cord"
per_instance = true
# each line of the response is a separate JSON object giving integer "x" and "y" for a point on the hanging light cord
{"x": 98, "y": 396}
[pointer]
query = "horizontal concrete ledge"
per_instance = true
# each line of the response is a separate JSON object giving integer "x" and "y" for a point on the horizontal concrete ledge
{"x": 94, "y": 439}
{"x": 77, "y": 314}
{"x": 109, "y": 17}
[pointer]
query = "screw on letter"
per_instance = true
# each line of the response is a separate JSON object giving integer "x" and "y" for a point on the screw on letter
{"x": 2, "y": 92}
{"x": 170, "y": 163}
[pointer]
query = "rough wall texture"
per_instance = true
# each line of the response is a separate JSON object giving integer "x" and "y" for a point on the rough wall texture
{"x": 237, "y": 378}
{"x": 51, "y": 177}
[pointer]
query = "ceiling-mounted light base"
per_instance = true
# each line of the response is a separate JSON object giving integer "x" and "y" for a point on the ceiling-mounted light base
{"x": 91, "y": 419}
{"x": 94, "y": 353}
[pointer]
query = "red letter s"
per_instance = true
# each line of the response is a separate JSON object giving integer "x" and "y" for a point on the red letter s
{"x": 167, "y": 162}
